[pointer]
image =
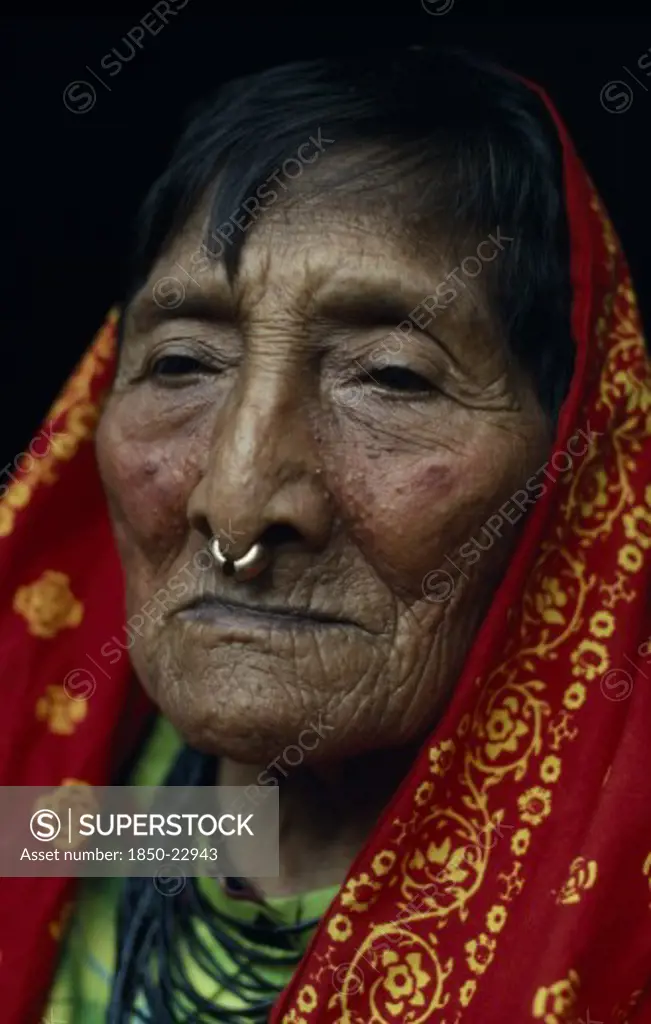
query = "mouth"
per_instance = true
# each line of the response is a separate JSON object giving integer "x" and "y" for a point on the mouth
{"x": 219, "y": 611}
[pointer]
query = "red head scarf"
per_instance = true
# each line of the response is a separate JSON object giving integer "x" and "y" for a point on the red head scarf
{"x": 510, "y": 877}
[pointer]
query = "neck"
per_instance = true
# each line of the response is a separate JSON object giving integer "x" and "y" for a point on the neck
{"x": 327, "y": 812}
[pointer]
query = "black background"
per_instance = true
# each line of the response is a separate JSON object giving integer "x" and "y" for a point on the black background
{"x": 73, "y": 181}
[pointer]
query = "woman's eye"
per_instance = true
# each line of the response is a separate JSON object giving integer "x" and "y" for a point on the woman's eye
{"x": 398, "y": 378}
{"x": 176, "y": 365}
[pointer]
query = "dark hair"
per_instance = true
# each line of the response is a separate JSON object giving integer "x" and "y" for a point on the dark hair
{"x": 479, "y": 144}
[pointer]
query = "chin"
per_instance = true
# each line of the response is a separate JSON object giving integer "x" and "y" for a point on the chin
{"x": 247, "y": 737}
{"x": 256, "y": 703}
{"x": 242, "y": 716}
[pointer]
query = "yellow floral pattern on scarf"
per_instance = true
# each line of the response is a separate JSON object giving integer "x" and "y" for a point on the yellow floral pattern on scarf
{"x": 78, "y": 417}
{"x": 72, "y": 795}
{"x": 61, "y": 713}
{"x": 404, "y": 982}
{"x": 48, "y": 605}
{"x": 555, "y": 1003}
{"x": 582, "y": 876}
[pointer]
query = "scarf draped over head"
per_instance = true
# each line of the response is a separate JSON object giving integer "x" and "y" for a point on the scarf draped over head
{"x": 510, "y": 877}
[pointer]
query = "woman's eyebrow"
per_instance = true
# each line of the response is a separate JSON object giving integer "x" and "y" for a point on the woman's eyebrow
{"x": 160, "y": 306}
{"x": 368, "y": 307}
{"x": 378, "y": 306}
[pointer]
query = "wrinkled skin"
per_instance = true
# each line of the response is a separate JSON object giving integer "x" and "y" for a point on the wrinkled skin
{"x": 271, "y": 418}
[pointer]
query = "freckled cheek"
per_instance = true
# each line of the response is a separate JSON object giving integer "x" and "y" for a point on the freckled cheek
{"x": 401, "y": 515}
{"x": 148, "y": 486}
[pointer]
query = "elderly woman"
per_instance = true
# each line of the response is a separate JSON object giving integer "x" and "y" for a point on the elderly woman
{"x": 374, "y": 449}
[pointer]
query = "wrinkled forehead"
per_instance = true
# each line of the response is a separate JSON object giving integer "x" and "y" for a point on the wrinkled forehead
{"x": 311, "y": 252}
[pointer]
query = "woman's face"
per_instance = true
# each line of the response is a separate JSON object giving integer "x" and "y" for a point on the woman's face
{"x": 287, "y": 406}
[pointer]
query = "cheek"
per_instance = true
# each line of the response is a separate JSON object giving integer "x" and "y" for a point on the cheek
{"x": 148, "y": 485}
{"x": 407, "y": 514}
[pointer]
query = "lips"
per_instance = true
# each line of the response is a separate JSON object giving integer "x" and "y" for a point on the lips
{"x": 221, "y": 609}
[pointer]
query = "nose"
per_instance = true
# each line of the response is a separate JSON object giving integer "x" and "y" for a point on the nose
{"x": 263, "y": 480}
